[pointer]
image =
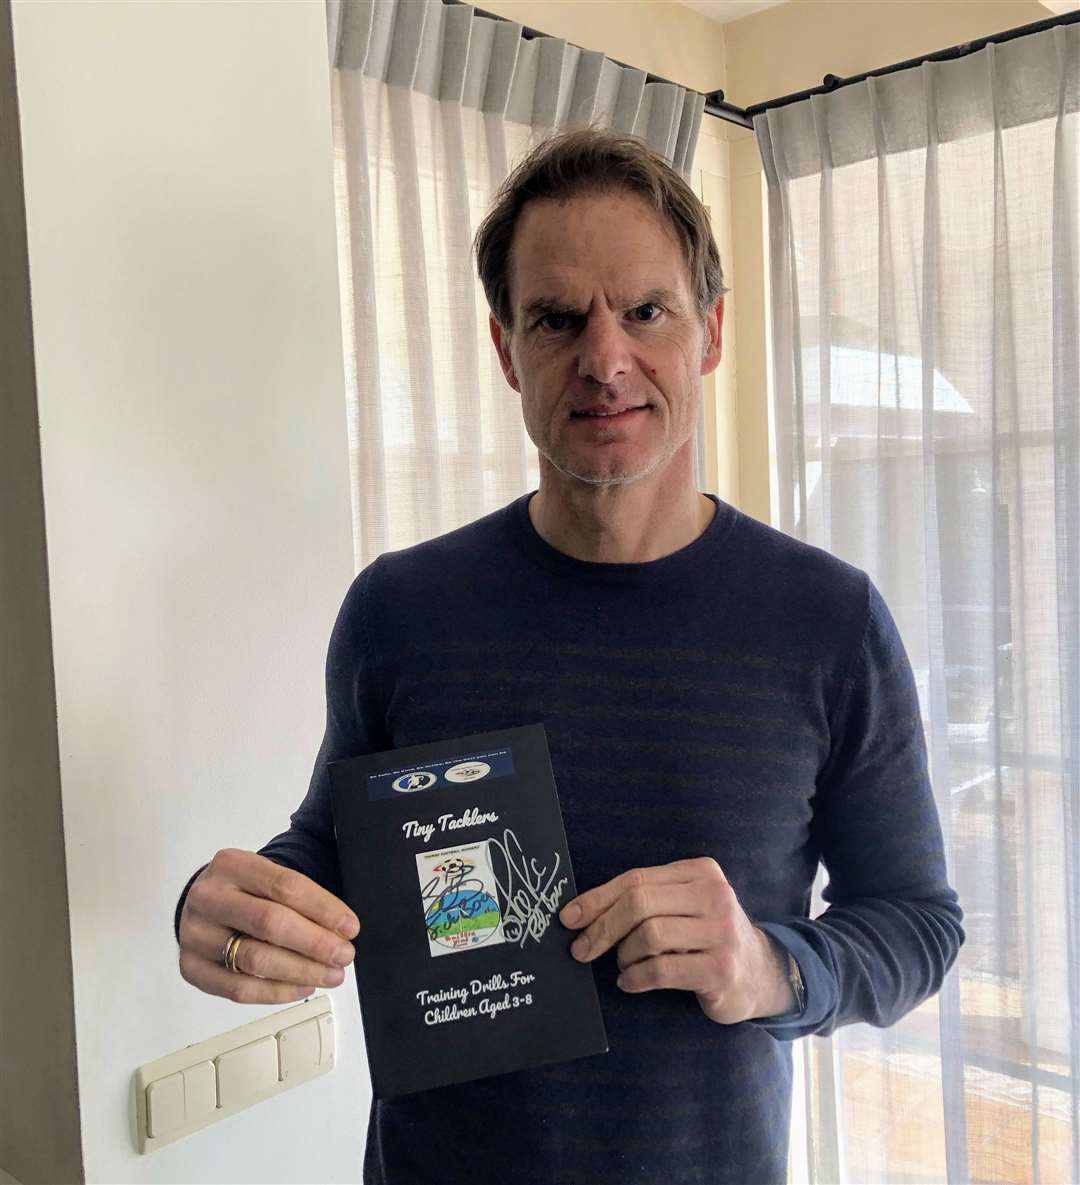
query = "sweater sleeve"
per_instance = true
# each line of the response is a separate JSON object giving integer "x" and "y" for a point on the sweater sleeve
{"x": 355, "y": 724}
{"x": 893, "y": 926}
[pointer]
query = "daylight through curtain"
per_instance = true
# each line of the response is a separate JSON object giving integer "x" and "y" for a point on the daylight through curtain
{"x": 923, "y": 235}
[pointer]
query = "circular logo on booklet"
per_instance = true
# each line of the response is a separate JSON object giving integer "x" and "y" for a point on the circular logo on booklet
{"x": 468, "y": 771}
{"x": 417, "y": 779}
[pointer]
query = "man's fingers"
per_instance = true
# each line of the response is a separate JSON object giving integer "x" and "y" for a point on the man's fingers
{"x": 670, "y": 935}
{"x": 689, "y": 972}
{"x": 242, "y": 989}
{"x": 262, "y": 877}
{"x": 588, "y": 906}
{"x": 279, "y": 925}
{"x": 294, "y": 932}
{"x": 216, "y": 898}
{"x": 253, "y": 957}
{"x": 630, "y": 910}
{"x": 650, "y": 900}
{"x": 257, "y": 958}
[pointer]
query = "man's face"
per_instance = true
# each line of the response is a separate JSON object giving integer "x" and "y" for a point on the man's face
{"x": 607, "y": 348}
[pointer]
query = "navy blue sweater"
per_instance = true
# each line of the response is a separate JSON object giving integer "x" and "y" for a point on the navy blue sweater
{"x": 746, "y": 698}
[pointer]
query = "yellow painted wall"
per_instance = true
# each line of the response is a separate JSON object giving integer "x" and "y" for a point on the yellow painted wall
{"x": 791, "y": 47}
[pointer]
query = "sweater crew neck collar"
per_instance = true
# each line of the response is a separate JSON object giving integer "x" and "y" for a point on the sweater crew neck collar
{"x": 677, "y": 566}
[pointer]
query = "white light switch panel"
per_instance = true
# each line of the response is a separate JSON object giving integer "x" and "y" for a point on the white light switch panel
{"x": 199, "y": 1085}
{"x": 247, "y": 1072}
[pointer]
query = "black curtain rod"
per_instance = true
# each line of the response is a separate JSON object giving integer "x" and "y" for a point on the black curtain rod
{"x": 715, "y": 103}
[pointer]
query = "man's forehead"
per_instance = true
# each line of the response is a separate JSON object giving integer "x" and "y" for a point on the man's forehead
{"x": 620, "y": 281}
{"x": 615, "y": 241}
{"x": 627, "y": 285}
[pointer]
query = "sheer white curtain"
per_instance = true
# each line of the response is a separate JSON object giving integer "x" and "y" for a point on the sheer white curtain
{"x": 432, "y": 107}
{"x": 924, "y": 231}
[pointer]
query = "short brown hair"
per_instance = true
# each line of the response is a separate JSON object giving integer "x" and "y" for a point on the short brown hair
{"x": 590, "y": 160}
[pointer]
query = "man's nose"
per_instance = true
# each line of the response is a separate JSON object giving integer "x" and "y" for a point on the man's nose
{"x": 602, "y": 348}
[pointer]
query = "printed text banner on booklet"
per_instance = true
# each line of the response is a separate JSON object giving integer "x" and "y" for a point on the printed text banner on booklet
{"x": 454, "y": 857}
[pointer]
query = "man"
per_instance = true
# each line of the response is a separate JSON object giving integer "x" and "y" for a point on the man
{"x": 725, "y": 706}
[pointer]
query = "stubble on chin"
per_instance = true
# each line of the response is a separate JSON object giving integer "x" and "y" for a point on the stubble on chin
{"x": 605, "y": 476}
{"x": 608, "y": 477}
{"x": 602, "y": 476}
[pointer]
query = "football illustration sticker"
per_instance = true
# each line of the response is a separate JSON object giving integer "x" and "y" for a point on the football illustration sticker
{"x": 457, "y": 892}
{"x": 409, "y": 783}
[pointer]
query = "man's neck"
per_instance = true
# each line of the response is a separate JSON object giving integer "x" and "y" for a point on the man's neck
{"x": 629, "y": 523}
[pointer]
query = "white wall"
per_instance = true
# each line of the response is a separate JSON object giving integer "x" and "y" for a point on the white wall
{"x": 188, "y": 346}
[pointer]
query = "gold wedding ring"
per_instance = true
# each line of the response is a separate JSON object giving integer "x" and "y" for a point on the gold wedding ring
{"x": 228, "y": 951}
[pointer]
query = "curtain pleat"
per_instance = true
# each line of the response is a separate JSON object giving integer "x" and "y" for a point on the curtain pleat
{"x": 432, "y": 106}
{"x": 1066, "y": 422}
{"x": 356, "y": 260}
{"x": 924, "y": 237}
{"x": 545, "y": 82}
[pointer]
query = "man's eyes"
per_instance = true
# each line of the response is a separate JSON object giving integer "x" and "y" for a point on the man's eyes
{"x": 642, "y": 314}
{"x": 557, "y": 322}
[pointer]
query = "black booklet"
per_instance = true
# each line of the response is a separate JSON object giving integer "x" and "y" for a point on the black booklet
{"x": 454, "y": 858}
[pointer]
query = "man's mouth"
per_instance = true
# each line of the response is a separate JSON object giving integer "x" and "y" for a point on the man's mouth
{"x": 606, "y": 412}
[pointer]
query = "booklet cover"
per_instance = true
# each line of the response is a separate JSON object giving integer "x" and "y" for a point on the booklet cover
{"x": 454, "y": 858}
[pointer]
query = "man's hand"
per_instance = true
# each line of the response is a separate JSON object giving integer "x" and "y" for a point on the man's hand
{"x": 298, "y": 931}
{"x": 680, "y": 926}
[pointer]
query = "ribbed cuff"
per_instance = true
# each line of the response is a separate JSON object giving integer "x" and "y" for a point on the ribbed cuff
{"x": 820, "y": 987}
{"x": 183, "y": 898}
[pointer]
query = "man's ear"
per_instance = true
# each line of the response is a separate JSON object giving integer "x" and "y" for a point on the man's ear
{"x": 714, "y": 328}
{"x": 501, "y": 338}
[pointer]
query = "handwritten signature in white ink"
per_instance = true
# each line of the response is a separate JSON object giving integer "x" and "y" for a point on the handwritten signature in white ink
{"x": 532, "y": 894}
